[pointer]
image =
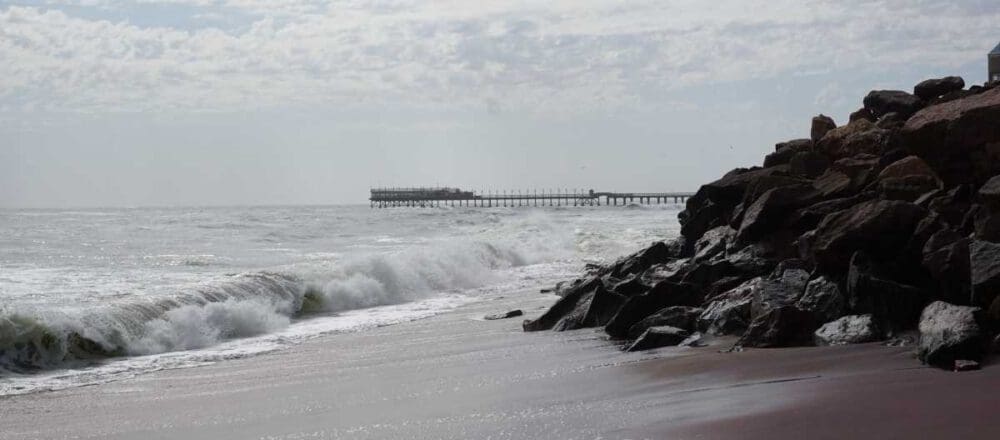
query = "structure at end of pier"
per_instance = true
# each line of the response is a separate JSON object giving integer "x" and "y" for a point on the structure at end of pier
{"x": 444, "y": 196}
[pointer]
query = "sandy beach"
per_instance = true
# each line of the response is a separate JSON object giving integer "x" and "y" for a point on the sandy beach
{"x": 456, "y": 376}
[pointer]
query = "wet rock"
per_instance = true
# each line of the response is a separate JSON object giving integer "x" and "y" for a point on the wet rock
{"x": 631, "y": 286}
{"x": 946, "y": 258}
{"x": 572, "y": 299}
{"x": 958, "y": 139}
{"x": 603, "y": 306}
{"x": 933, "y": 88}
{"x": 989, "y": 193}
{"x": 823, "y": 298}
{"x": 771, "y": 209}
{"x": 810, "y": 216}
{"x": 820, "y": 126}
{"x": 852, "y": 329}
{"x": 785, "y": 326}
{"x": 505, "y": 315}
{"x": 880, "y": 102}
{"x": 729, "y": 313}
{"x": 656, "y": 337}
{"x": 676, "y": 316}
{"x": 948, "y": 333}
{"x": 712, "y": 243}
{"x": 664, "y": 271}
{"x": 658, "y": 252}
{"x": 984, "y": 265}
{"x": 636, "y": 308}
{"x": 880, "y": 227}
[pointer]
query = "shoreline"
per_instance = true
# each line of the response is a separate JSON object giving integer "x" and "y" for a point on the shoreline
{"x": 456, "y": 375}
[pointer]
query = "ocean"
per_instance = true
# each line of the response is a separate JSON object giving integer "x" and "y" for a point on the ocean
{"x": 91, "y": 296}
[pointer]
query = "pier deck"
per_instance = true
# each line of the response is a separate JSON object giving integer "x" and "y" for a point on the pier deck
{"x": 437, "y": 196}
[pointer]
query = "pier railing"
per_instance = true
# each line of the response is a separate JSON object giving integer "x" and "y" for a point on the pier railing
{"x": 444, "y": 196}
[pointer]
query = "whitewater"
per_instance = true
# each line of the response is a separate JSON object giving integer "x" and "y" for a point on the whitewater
{"x": 90, "y": 296}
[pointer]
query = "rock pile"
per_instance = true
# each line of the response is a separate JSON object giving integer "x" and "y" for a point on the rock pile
{"x": 887, "y": 224}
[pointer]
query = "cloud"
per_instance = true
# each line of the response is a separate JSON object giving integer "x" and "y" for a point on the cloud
{"x": 551, "y": 58}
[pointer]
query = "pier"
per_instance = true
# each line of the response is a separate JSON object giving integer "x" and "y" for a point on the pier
{"x": 443, "y": 196}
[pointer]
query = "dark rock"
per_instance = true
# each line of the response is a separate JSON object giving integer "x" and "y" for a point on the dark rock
{"x": 958, "y": 139}
{"x": 696, "y": 219}
{"x": 946, "y": 258}
{"x": 809, "y": 217}
{"x": 966, "y": 365}
{"x": 505, "y": 315}
{"x": 847, "y": 176}
{"x": 880, "y": 227}
{"x": 785, "y": 326}
{"x": 984, "y": 265}
{"x": 664, "y": 271}
{"x": 851, "y": 329}
{"x": 952, "y": 205}
{"x": 729, "y": 313}
{"x": 933, "y": 88}
{"x": 603, "y": 306}
{"x": 908, "y": 189}
{"x": 784, "y": 151}
{"x": 952, "y": 96}
{"x": 895, "y": 306}
{"x": 676, "y": 316}
{"x": 658, "y": 252}
{"x": 989, "y": 193}
{"x": 636, "y": 308}
{"x": 862, "y": 113}
{"x": 656, "y": 337}
{"x": 890, "y": 121}
{"x": 820, "y": 126}
{"x": 575, "y": 296}
{"x": 880, "y": 102}
{"x": 770, "y": 210}
{"x": 986, "y": 223}
{"x": 633, "y": 285}
{"x": 948, "y": 333}
{"x": 823, "y": 298}
{"x": 712, "y": 243}
{"x": 908, "y": 166}
{"x": 861, "y": 136}
{"x": 808, "y": 164}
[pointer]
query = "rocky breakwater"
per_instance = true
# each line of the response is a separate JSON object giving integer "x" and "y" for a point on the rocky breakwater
{"x": 884, "y": 227}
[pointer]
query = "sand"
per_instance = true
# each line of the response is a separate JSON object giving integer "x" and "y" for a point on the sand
{"x": 455, "y": 376}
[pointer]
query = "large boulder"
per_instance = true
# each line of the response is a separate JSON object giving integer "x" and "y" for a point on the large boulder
{"x": 823, "y": 298}
{"x": 635, "y": 309}
{"x": 784, "y": 151}
{"x": 775, "y": 320}
{"x": 870, "y": 290}
{"x": 880, "y": 102}
{"x": 936, "y": 87}
{"x": 907, "y": 166}
{"x": 820, "y": 126}
{"x": 880, "y": 227}
{"x": 847, "y": 176}
{"x": 770, "y": 210}
{"x": 949, "y": 333}
{"x": 809, "y": 164}
{"x": 636, "y": 263}
{"x": 984, "y": 265}
{"x": 861, "y": 136}
{"x": 676, "y": 316}
{"x": 729, "y": 313}
{"x": 656, "y": 337}
{"x": 946, "y": 259}
{"x": 851, "y": 329}
{"x": 574, "y": 298}
{"x": 958, "y": 139}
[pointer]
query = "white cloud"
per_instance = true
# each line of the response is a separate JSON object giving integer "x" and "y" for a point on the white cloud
{"x": 552, "y": 58}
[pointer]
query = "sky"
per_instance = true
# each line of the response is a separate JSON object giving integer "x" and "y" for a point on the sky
{"x": 254, "y": 102}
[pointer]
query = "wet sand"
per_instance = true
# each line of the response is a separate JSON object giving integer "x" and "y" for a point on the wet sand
{"x": 455, "y": 376}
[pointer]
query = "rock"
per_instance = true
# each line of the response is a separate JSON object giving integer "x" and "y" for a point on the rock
{"x": 820, "y": 126}
{"x": 573, "y": 297}
{"x": 933, "y": 88}
{"x": 823, "y": 298}
{"x": 946, "y": 258}
{"x": 785, "y": 326}
{"x": 966, "y": 365}
{"x": 808, "y": 217}
{"x": 636, "y": 308}
{"x": 948, "y": 333}
{"x": 952, "y": 96}
{"x": 675, "y": 316}
{"x": 890, "y": 121}
{"x": 958, "y": 139}
{"x": 986, "y": 223}
{"x": 785, "y": 150}
{"x": 808, "y": 164}
{"x": 633, "y": 285}
{"x": 729, "y": 313}
{"x": 989, "y": 193}
{"x": 862, "y": 113}
{"x": 712, "y": 243}
{"x": 505, "y": 315}
{"x": 953, "y": 205}
{"x": 771, "y": 209}
{"x": 861, "y": 136}
{"x": 908, "y": 166}
{"x": 847, "y": 176}
{"x": 984, "y": 266}
{"x": 907, "y": 189}
{"x": 603, "y": 306}
{"x": 664, "y": 271}
{"x": 880, "y": 102}
{"x": 895, "y": 306}
{"x": 656, "y": 337}
{"x": 658, "y": 252}
{"x": 852, "y": 329}
{"x": 880, "y": 227}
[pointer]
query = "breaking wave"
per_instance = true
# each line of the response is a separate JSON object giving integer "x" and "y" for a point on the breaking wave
{"x": 240, "y": 306}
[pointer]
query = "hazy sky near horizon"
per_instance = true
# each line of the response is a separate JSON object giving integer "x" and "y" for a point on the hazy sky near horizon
{"x": 208, "y": 102}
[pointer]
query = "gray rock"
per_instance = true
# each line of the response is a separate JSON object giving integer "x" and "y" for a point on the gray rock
{"x": 852, "y": 329}
{"x": 823, "y": 297}
{"x": 676, "y": 316}
{"x": 729, "y": 313}
{"x": 655, "y": 337}
{"x": 505, "y": 315}
{"x": 948, "y": 333}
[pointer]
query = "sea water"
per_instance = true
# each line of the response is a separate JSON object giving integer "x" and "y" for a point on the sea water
{"x": 88, "y": 296}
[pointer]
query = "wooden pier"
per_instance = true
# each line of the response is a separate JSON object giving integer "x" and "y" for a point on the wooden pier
{"x": 440, "y": 196}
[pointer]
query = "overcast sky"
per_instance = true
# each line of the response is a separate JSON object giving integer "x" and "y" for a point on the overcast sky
{"x": 206, "y": 102}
